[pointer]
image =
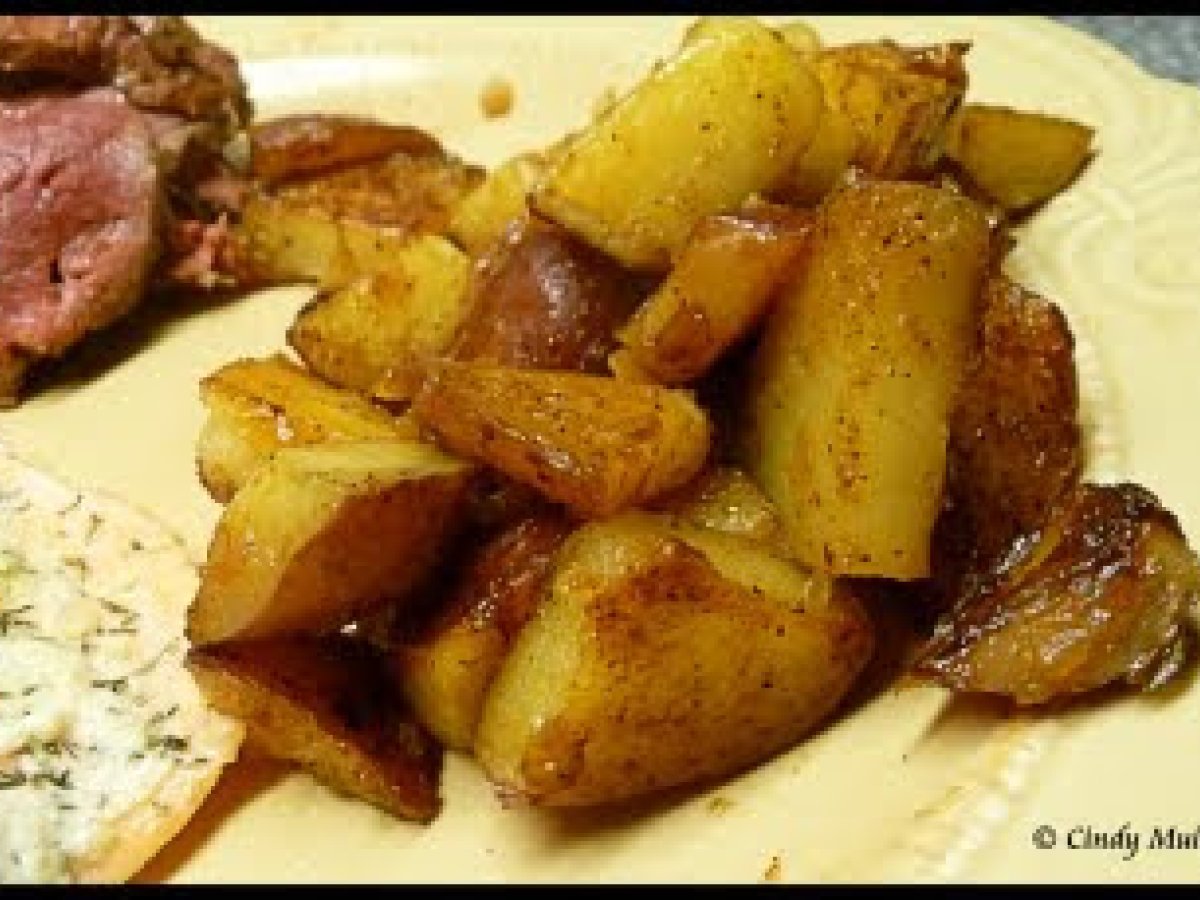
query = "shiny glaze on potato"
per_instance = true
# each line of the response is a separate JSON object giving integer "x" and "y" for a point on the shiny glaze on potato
{"x": 1102, "y": 594}
{"x": 542, "y": 299}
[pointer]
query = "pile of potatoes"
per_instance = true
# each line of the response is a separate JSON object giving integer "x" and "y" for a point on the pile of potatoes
{"x": 586, "y": 461}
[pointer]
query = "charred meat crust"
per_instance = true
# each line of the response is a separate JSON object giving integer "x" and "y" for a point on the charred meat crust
{"x": 157, "y": 62}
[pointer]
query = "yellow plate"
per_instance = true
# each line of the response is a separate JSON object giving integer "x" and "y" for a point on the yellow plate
{"x": 909, "y": 786}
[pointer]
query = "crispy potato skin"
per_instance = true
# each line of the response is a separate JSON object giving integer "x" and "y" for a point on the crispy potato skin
{"x": 256, "y": 406}
{"x": 300, "y": 146}
{"x": 376, "y": 335}
{"x": 1014, "y": 434}
{"x": 446, "y": 668}
{"x": 595, "y": 444}
{"x": 416, "y": 194}
{"x": 319, "y": 534}
{"x": 1018, "y": 159}
{"x": 542, "y": 299}
{"x": 1102, "y": 594}
{"x": 716, "y": 293}
{"x": 726, "y": 117}
{"x": 335, "y": 227}
{"x": 323, "y": 704}
{"x": 897, "y": 100}
{"x": 660, "y": 657}
{"x": 852, "y": 385}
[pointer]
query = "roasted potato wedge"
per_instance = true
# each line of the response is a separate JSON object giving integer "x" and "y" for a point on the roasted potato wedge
{"x": 801, "y": 36}
{"x": 256, "y": 406}
{"x": 853, "y": 383}
{"x": 300, "y": 146}
{"x": 1107, "y": 592}
{"x": 320, "y": 533}
{"x": 334, "y": 228}
{"x": 543, "y": 299}
{"x": 661, "y": 656}
{"x": 324, "y": 704}
{"x": 826, "y": 161}
{"x": 726, "y": 117}
{"x": 376, "y": 335}
{"x": 483, "y": 216}
{"x": 1014, "y": 434}
{"x": 725, "y": 499}
{"x": 716, "y": 293}
{"x": 898, "y": 101}
{"x": 595, "y": 444}
{"x": 446, "y": 668}
{"x": 1018, "y": 159}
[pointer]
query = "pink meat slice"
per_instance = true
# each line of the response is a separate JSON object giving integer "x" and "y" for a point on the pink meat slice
{"x": 80, "y": 200}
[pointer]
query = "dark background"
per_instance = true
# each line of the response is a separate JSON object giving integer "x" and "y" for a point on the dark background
{"x": 1165, "y": 45}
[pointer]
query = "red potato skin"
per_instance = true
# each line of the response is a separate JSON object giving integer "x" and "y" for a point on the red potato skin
{"x": 542, "y": 299}
{"x": 302, "y": 145}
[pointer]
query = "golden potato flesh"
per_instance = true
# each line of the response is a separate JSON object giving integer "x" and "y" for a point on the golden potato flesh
{"x": 446, "y": 668}
{"x": 325, "y": 704}
{"x": 543, "y": 299}
{"x": 1107, "y": 592}
{"x": 725, "y": 499}
{"x": 304, "y": 145}
{"x": 661, "y": 656}
{"x": 1014, "y": 434}
{"x": 334, "y": 228}
{"x": 256, "y": 406}
{"x": 726, "y": 117}
{"x": 483, "y": 216}
{"x": 319, "y": 534}
{"x": 716, "y": 293}
{"x": 596, "y": 444}
{"x": 853, "y": 382}
{"x": 376, "y": 335}
{"x": 802, "y": 36}
{"x": 1018, "y": 159}
{"x": 826, "y": 161}
{"x": 898, "y": 101}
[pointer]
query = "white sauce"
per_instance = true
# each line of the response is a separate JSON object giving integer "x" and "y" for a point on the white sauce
{"x": 96, "y": 711}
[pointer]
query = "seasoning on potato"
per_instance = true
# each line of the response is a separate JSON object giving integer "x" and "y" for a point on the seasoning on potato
{"x": 726, "y": 117}
{"x": 257, "y": 406}
{"x": 662, "y": 655}
{"x": 595, "y": 456}
{"x": 594, "y": 444}
{"x": 851, "y": 395}
{"x": 318, "y": 534}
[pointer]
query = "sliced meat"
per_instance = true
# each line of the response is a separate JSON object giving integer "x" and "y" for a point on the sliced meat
{"x": 193, "y": 254}
{"x": 158, "y": 62}
{"x": 80, "y": 200}
{"x": 113, "y": 177}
